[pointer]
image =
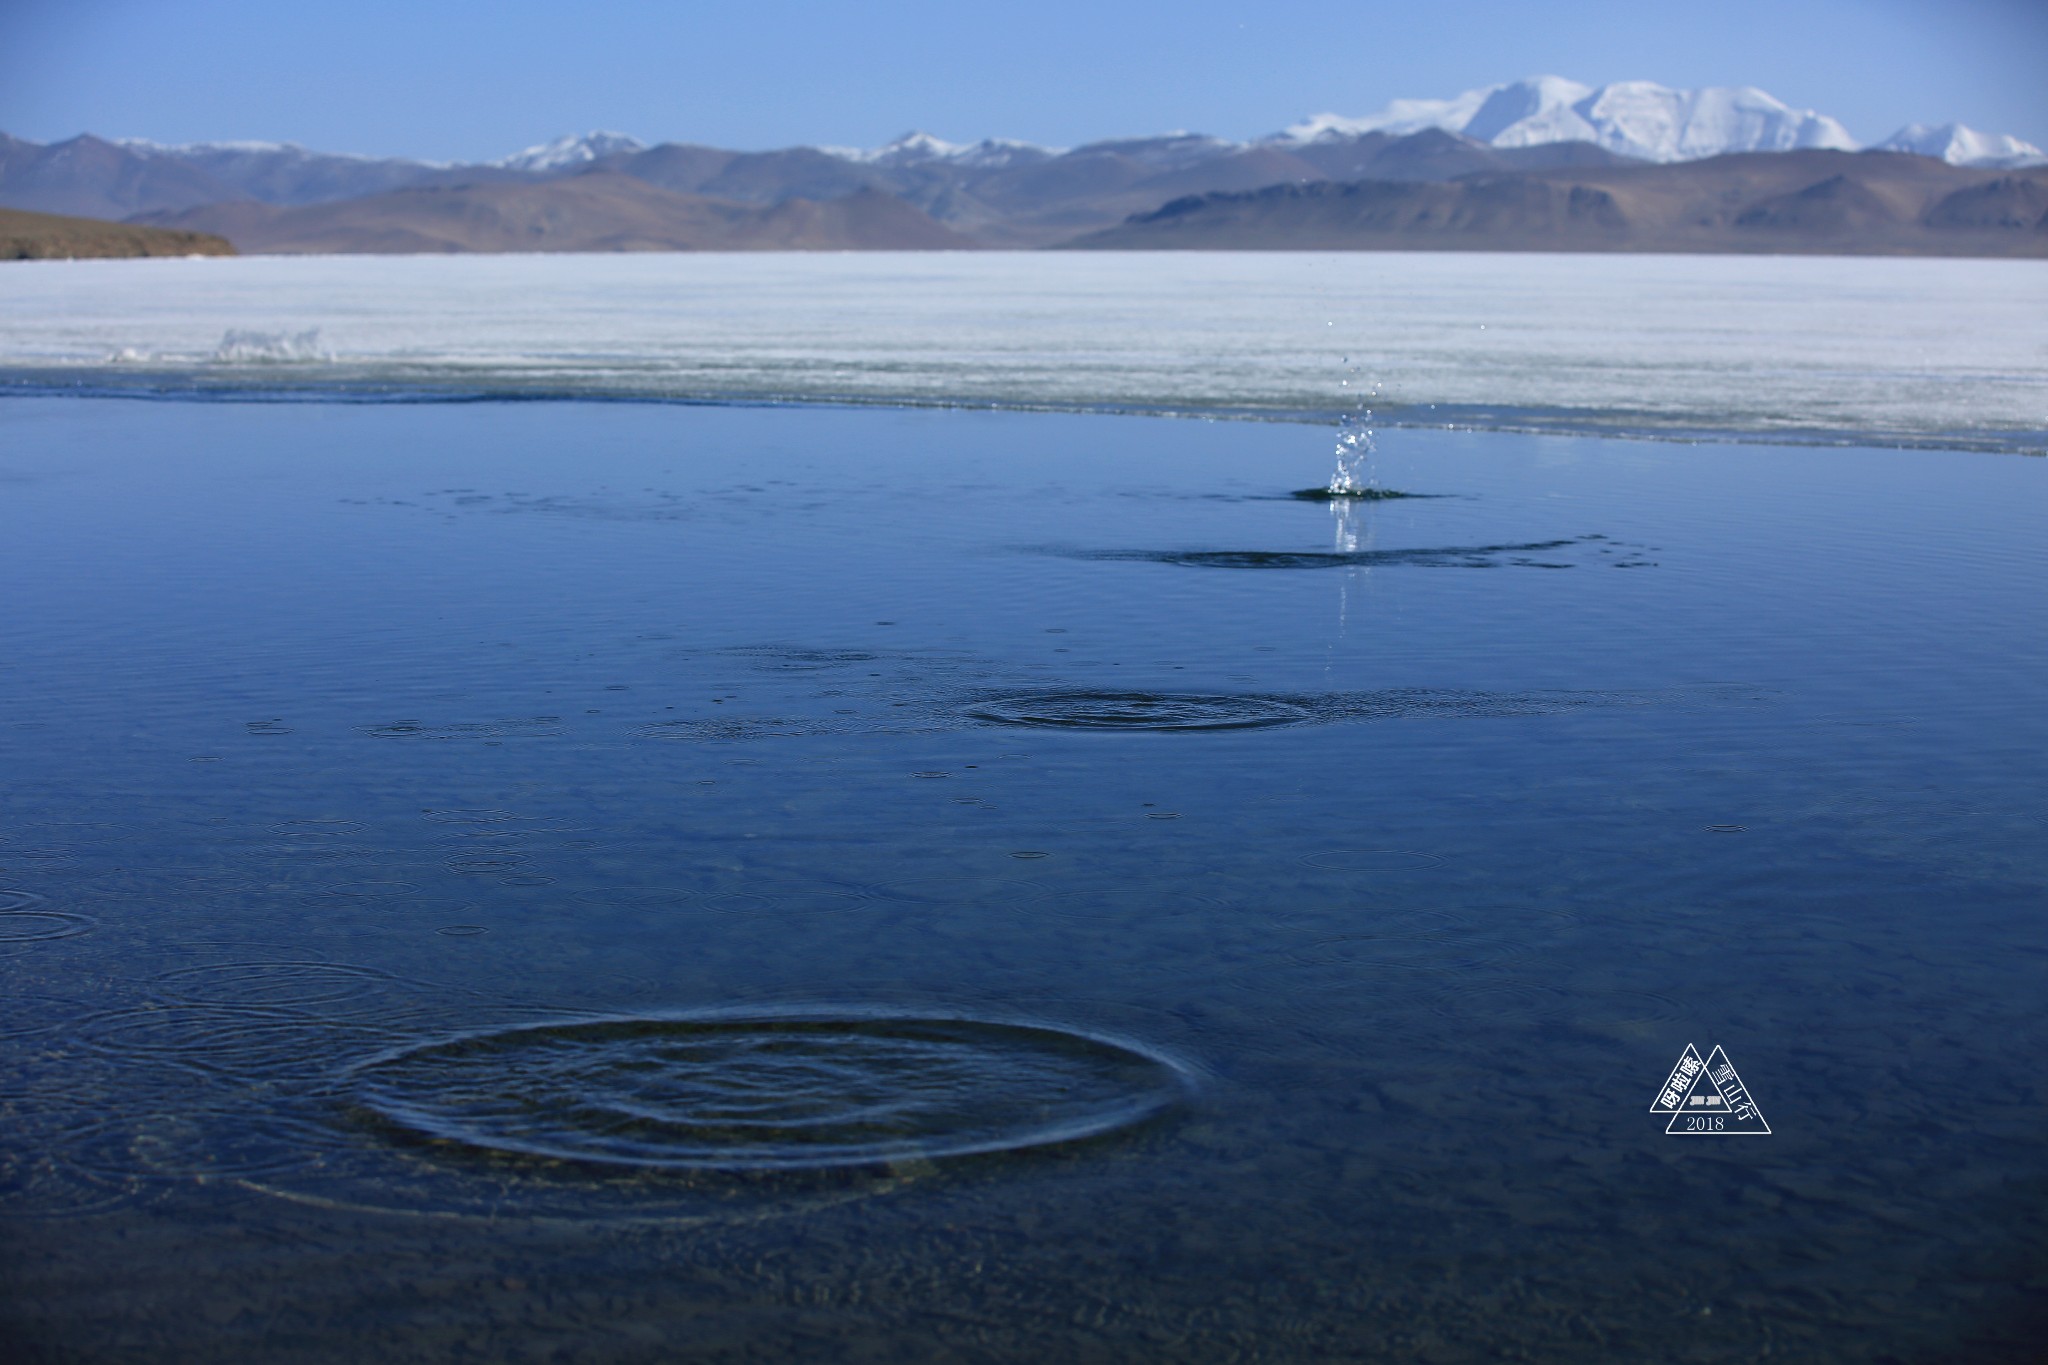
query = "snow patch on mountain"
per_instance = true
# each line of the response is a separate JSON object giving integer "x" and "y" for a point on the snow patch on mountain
{"x": 1961, "y": 146}
{"x": 142, "y": 146}
{"x": 276, "y": 153}
{"x": 1641, "y": 118}
{"x": 912, "y": 147}
{"x": 570, "y": 150}
{"x": 915, "y": 148}
{"x": 1481, "y": 114}
{"x": 1172, "y": 151}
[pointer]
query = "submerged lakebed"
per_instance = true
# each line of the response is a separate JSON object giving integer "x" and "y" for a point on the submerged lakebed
{"x": 639, "y": 882}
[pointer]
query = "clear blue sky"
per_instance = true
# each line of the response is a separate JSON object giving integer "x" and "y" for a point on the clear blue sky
{"x": 469, "y": 79}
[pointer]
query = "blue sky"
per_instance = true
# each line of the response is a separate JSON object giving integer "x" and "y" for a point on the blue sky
{"x": 461, "y": 80}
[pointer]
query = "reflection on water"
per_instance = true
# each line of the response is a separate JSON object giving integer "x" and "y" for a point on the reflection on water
{"x": 602, "y": 936}
{"x": 1351, "y": 531}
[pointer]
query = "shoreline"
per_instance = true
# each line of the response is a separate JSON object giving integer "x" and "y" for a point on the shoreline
{"x": 1562, "y": 423}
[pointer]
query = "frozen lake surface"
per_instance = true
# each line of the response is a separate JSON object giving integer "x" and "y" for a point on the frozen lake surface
{"x": 1813, "y": 349}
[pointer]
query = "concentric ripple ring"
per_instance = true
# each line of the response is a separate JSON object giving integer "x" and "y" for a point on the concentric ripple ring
{"x": 769, "y": 1093}
{"x": 1140, "y": 711}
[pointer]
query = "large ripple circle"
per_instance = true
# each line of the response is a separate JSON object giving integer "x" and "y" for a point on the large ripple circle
{"x": 1139, "y": 711}
{"x": 765, "y": 1094}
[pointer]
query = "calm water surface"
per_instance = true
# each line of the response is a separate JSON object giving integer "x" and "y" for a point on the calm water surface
{"x": 616, "y": 883}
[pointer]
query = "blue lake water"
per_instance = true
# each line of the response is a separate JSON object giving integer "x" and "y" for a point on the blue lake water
{"x": 617, "y": 882}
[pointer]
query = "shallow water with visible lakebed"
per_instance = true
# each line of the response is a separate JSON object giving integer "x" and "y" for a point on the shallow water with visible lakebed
{"x": 624, "y": 882}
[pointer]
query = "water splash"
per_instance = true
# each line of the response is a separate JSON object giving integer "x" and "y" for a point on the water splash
{"x": 1351, "y": 481}
{"x": 1354, "y": 449}
{"x": 1354, "y": 441}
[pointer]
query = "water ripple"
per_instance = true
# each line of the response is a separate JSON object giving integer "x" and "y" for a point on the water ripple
{"x": 1435, "y": 557}
{"x": 1139, "y": 711}
{"x": 765, "y": 1094}
{"x": 1375, "y": 859}
{"x": 22, "y": 922}
{"x": 506, "y": 728}
{"x": 334, "y": 828}
{"x": 271, "y": 982}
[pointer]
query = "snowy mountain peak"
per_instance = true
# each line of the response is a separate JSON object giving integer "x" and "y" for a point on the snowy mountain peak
{"x": 571, "y": 150}
{"x": 1961, "y": 146}
{"x": 914, "y": 148}
{"x": 1632, "y": 118}
{"x": 142, "y": 146}
{"x": 251, "y": 154}
{"x": 1640, "y": 118}
{"x": 1522, "y": 105}
{"x": 994, "y": 153}
{"x": 1165, "y": 151}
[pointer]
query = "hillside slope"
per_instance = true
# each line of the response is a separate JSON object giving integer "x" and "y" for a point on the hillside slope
{"x": 48, "y": 236}
{"x": 1807, "y": 202}
{"x": 598, "y": 211}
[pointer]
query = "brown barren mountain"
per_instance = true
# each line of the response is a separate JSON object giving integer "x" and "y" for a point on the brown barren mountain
{"x": 1810, "y": 202}
{"x": 53, "y": 237}
{"x": 599, "y": 211}
{"x": 1434, "y": 154}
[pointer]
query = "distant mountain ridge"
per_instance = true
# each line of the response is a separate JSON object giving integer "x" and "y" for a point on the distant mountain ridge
{"x": 996, "y": 192}
{"x": 1637, "y": 119}
{"x": 1813, "y": 201}
{"x": 597, "y": 211}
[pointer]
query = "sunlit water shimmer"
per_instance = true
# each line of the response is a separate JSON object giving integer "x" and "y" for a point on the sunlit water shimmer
{"x": 645, "y": 882}
{"x": 1816, "y": 349}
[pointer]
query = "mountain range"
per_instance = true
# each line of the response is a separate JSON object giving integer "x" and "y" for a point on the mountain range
{"x": 607, "y": 191}
{"x": 1810, "y": 201}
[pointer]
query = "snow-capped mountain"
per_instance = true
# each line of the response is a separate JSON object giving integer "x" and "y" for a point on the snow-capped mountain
{"x": 1631, "y": 118}
{"x": 1172, "y": 151}
{"x": 1163, "y": 151}
{"x": 917, "y": 148}
{"x": 570, "y": 150}
{"x": 249, "y": 151}
{"x": 142, "y": 146}
{"x": 1960, "y": 146}
{"x": 285, "y": 172}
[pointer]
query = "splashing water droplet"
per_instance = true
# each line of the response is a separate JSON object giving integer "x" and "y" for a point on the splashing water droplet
{"x": 1354, "y": 446}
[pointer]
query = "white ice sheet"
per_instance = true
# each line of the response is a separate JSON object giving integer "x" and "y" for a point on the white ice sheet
{"x": 1886, "y": 350}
